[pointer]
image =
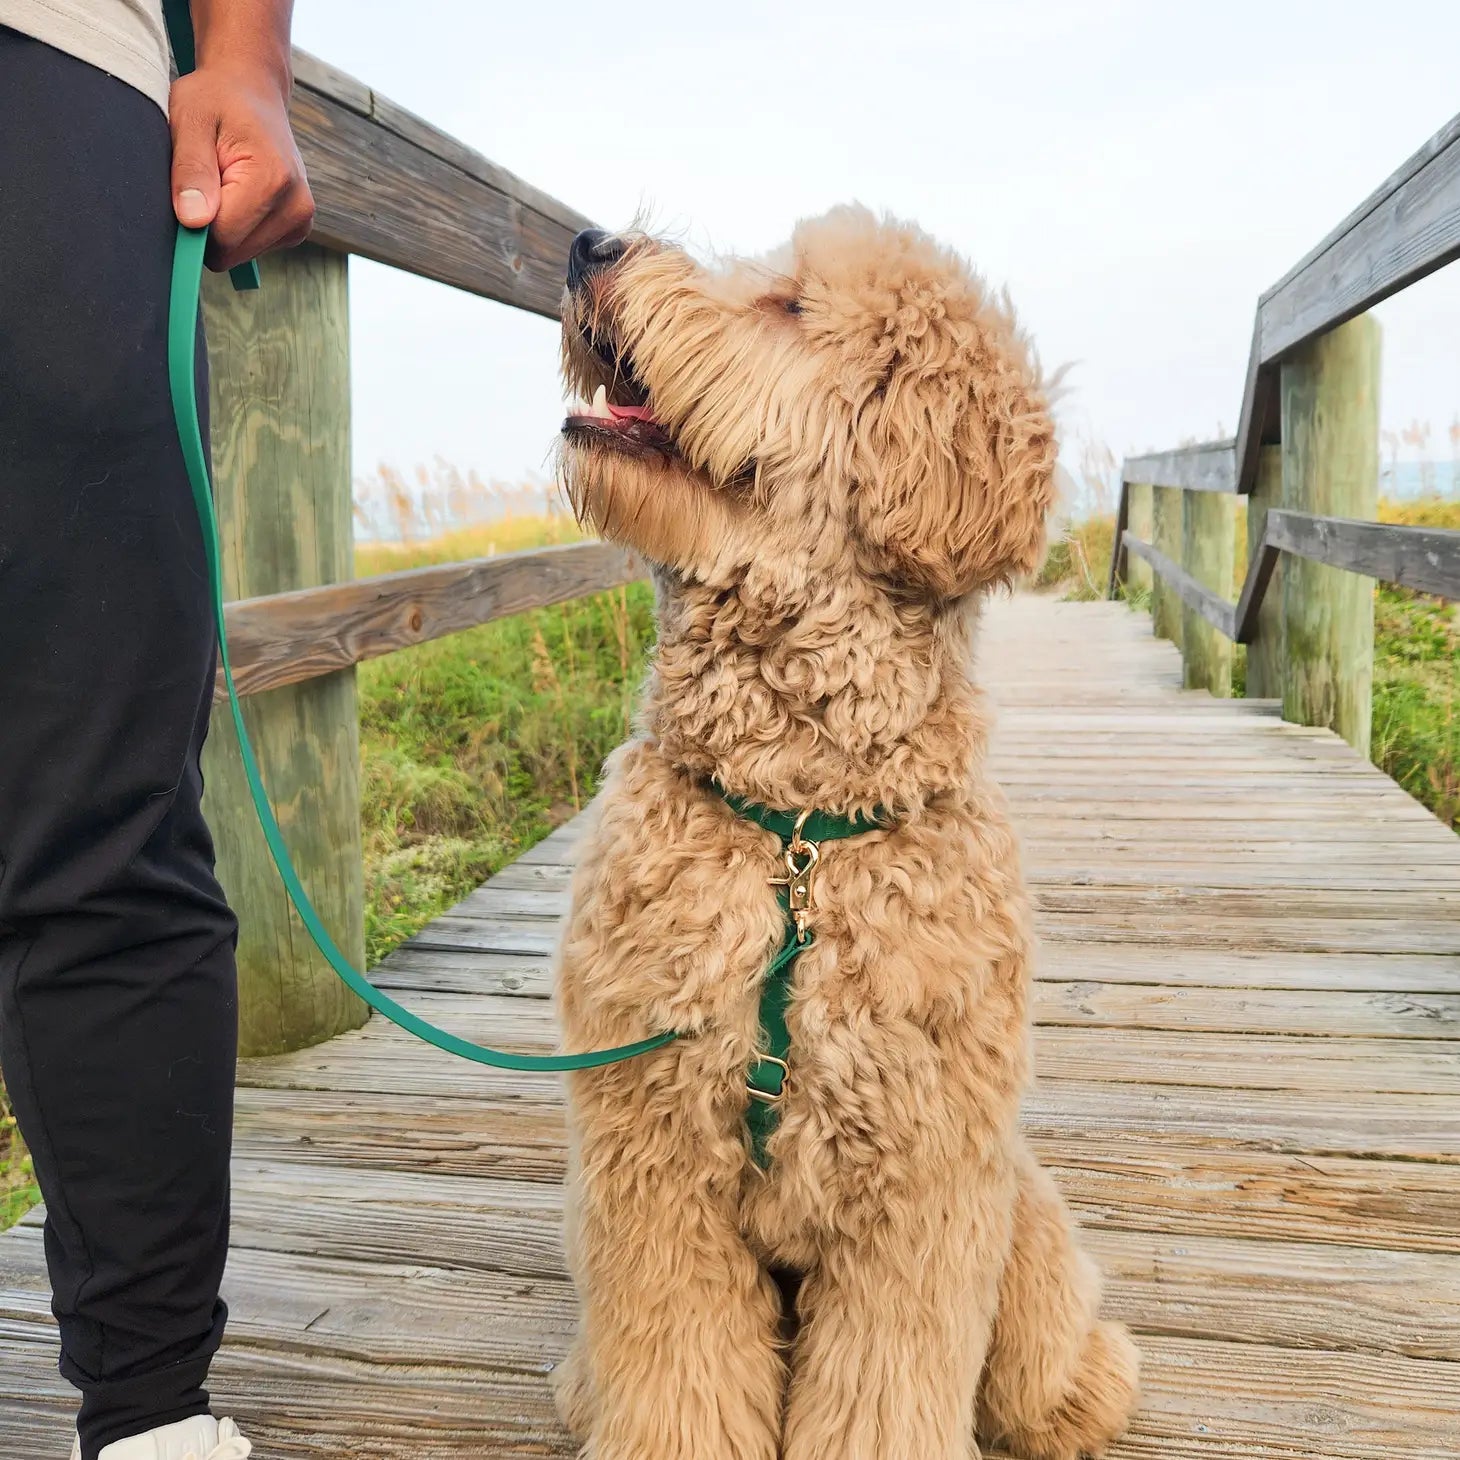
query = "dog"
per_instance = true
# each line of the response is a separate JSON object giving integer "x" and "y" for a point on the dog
{"x": 827, "y": 458}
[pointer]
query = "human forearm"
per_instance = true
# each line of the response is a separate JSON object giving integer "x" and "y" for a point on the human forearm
{"x": 249, "y": 35}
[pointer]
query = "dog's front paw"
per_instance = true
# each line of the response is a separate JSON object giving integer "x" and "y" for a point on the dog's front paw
{"x": 573, "y": 1392}
{"x": 1098, "y": 1407}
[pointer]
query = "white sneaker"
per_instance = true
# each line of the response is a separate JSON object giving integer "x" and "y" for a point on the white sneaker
{"x": 203, "y": 1438}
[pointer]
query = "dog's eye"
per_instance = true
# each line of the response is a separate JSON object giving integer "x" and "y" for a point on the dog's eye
{"x": 792, "y": 306}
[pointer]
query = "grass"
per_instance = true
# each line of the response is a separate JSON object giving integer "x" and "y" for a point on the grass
{"x": 18, "y": 1191}
{"x": 1416, "y": 725}
{"x": 474, "y": 747}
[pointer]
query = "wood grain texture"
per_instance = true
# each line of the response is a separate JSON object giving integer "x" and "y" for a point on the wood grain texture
{"x": 1166, "y": 539}
{"x": 1422, "y": 558}
{"x": 1209, "y": 543}
{"x": 396, "y": 189}
{"x": 280, "y": 407}
{"x": 1210, "y": 467}
{"x": 1142, "y": 523}
{"x": 1330, "y": 413}
{"x": 1248, "y": 1033}
{"x": 288, "y": 638}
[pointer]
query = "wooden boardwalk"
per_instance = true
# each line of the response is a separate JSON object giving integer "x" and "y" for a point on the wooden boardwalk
{"x": 1249, "y": 1088}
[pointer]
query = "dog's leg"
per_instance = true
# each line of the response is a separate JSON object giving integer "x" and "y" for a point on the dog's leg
{"x": 895, "y": 1326}
{"x": 679, "y": 1353}
{"x": 1060, "y": 1384}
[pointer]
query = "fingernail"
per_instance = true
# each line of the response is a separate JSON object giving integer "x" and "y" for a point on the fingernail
{"x": 192, "y": 206}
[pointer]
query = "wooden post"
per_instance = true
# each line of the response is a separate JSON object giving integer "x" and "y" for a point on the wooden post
{"x": 1330, "y": 464}
{"x": 1166, "y": 535}
{"x": 1209, "y": 542}
{"x": 1265, "y": 652}
{"x": 280, "y": 404}
{"x": 1137, "y": 570}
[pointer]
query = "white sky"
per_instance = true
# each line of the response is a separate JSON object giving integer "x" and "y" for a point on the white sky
{"x": 1137, "y": 171}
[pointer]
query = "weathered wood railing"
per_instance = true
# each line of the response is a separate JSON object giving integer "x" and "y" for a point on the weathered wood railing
{"x": 1306, "y": 457}
{"x": 392, "y": 188}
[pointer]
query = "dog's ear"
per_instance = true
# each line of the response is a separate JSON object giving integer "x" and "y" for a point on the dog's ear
{"x": 953, "y": 468}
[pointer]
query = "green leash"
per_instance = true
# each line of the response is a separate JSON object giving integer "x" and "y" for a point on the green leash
{"x": 182, "y": 334}
{"x": 800, "y": 834}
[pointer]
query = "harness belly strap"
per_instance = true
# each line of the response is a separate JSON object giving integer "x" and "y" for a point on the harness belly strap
{"x": 801, "y": 835}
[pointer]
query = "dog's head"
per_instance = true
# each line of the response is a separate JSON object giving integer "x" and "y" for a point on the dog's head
{"x": 859, "y": 404}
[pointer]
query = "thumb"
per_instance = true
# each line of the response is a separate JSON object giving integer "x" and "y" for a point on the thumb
{"x": 195, "y": 184}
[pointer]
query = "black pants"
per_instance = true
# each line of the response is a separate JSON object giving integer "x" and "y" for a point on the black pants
{"x": 117, "y": 994}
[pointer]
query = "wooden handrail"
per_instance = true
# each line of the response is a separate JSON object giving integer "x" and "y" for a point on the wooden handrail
{"x": 1426, "y": 559}
{"x": 393, "y": 188}
{"x": 1407, "y": 228}
{"x": 286, "y": 638}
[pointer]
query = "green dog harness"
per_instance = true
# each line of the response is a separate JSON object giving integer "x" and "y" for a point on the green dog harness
{"x": 801, "y": 834}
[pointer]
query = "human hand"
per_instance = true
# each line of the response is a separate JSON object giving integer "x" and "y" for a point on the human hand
{"x": 234, "y": 162}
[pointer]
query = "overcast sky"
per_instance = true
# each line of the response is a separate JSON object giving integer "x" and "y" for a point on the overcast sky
{"x": 1136, "y": 171}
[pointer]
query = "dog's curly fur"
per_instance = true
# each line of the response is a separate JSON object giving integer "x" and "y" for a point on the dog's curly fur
{"x": 853, "y": 444}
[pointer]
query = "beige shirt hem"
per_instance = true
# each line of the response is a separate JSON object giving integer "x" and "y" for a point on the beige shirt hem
{"x": 126, "y": 40}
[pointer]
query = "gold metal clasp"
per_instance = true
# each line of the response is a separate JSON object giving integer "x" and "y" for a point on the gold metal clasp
{"x": 802, "y": 858}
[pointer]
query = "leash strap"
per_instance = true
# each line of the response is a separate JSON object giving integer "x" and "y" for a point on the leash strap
{"x": 182, "y": 335}
{"x": 182, "y": 338}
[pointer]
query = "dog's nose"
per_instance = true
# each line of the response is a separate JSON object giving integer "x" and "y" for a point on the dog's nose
{"x": 593, "y": 249}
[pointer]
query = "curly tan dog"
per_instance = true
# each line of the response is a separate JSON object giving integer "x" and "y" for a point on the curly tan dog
{"x": 827, "y": 459}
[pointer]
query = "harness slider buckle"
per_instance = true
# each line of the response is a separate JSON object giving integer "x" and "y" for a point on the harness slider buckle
{"x": 770, "y": 1097}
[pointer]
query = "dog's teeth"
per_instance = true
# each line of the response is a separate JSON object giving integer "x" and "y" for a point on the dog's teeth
{"x": 600, "y": 402}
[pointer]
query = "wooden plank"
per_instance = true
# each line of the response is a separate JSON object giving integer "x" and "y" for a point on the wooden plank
{"x": 1211, "y": 606}
{"x": 1289, "y": 1293}
{"x": 1422, "y": 558}
{"x": 1248, "y": 1010}
{"x": 393, "y": 188}
{"x": 1202, "y": 1400}
{"x": 1210, "y": 467}
{"x": 1407, "y": 228}
{"x": 290, "y": 637}
{"x": 1231, "y": 1170}
{"x": 1294, "y": 1295}
{"x": 1192, "y": 1058}
{"x": 1391, "y": 991}
{"x": 1357, "y": 1124}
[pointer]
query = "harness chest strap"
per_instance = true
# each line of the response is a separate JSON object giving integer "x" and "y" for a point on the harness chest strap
{"x": 801, "y": 835}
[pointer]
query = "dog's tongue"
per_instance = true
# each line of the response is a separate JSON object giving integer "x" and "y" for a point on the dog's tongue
{"x": 629, "y": 413}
